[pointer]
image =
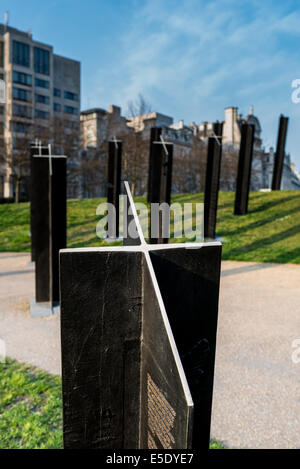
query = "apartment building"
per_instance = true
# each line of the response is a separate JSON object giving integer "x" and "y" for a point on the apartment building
{"x": 99, "y": 125}
{"x": 40, "y": 86}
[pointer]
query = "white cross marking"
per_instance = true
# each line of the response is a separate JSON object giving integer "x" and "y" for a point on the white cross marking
{"x": 115, "y": 141}
{"x": 50, "y": 156}
{"x": 217, "y": 137}
{"x": 37, "y": 143}
{"x": 163, "y": 143}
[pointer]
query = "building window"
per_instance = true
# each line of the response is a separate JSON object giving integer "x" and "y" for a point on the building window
{"x": 21, "y": 95}
{"x": 21, "y": 54}
{"x": 71, "y": 110}
{"x": 41, "y": 61}
{"x": 21, "y": 128}
{"x": 1, "y": 54}
{"x": 68, "y": 124}
{"x": 22, "y": 78}
{"x": 56, "y": 92}
{"x": 1, "y": 110}
{"x": 71, "y": 96}
{"x": 42, "y": 83}
{"x": 21, "y": 111}
{"x": 40, "y": 98}
{"x": 56, "y": 107}
{"x": 90, "y": 127}
{"x": 41, "y": 114}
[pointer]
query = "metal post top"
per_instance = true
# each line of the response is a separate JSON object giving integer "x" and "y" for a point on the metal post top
{"x": 115, "y": 141}
{"x": 164, "y": 144}
{"x": 49, "y": 156}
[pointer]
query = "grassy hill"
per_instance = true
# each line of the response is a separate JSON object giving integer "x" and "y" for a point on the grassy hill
{"x": 270, "y": 232}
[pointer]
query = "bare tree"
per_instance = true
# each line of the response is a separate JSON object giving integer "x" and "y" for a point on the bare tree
{"x": 139, "y": 107}
{"x": 15, "y": 157}
{"x": 92, "y": 172}
{"x": 229, "y": 166}
{"x": 19, "y": 161}
{"x": 135, "y": 161}
{"x": 2, "y": 159}
{"x": 189, "y": 167}
{"x": 65, "y": 137}
{"x": 92, "y": 163}
{"x": 136, "y": 147}
{"x": 229, "y": 170}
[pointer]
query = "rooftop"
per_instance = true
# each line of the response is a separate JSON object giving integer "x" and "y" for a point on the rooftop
{"x": 97, "y": 110}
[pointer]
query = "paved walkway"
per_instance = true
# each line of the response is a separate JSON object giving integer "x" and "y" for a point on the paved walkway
{"x": 257, "y": 385}
{"x": 31, "y": 340}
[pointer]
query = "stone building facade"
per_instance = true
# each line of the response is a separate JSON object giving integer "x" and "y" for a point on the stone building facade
{"x": 98, "y": 125}
{"x": 39, "y": 86}
{"x": 263, "y": 160}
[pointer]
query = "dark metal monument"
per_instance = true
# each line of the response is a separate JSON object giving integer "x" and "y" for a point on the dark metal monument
{"x": 114, "y": 181}
{"x": 35, "y": 148}
{"x": 279, "y": 156}
{"x": 160, "y": 175}
{"x": 138, "y": 332}
{"x": 212, "y": 180}
{"x": 49, "y": 221}
{"x": 244, "y": 170}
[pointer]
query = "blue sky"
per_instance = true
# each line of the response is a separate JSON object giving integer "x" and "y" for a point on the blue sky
{"x": 189, "y": 58}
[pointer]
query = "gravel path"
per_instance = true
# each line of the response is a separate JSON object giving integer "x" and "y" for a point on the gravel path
{"x": 31, "y": 340}
{"x": 257, "y": 385}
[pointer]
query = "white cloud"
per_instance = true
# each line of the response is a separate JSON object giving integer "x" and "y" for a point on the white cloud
{"x": 192, "y": 58}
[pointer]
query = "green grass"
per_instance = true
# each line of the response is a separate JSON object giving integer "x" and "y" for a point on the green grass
{"x": 268, "y": 233}
{"x": 31, "y": 408}
{"x": 216, "y": 445}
